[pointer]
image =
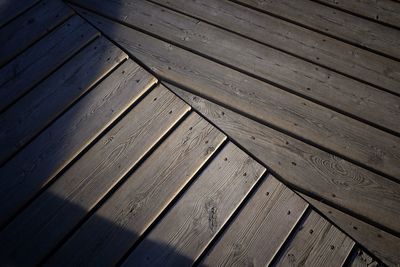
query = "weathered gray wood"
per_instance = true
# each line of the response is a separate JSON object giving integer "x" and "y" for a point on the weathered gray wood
{"x": 52, "y": 150}
{"x": 308, "y": 168}
{"x": 30, "y": 27}
{"x": 37, "y": 230}
{"x": 29, "y": 68}
{"x": 38, "y": 108}
{"x": 117, "y": 225}
{"x": 334, "y": 22}
{"x": 383, "y": 245}
{"x": 11, "y": 9}
{"x": 193, "y": 222}
{"x": 303, "y": 118}
{"x": 297, "y": 40}
{"x": 320, "y": 84}
{"x": 362, "y": 259}
{"x": 386, "y": 11}
{"x": 258, "y": 232}
{"x": 317, "y": 243}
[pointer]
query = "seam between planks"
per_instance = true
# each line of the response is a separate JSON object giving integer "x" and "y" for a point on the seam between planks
{"x": 336, "y": 37}
{"x": 249, "y": 38}
{"x": 123, "y": 179}
{"x": 178, "y": 196}
{"x": 358, "y": 15}
{"x": 77, "y": 156}
{"x": 51, "y": 72}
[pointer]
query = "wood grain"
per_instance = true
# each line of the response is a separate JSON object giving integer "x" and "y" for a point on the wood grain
{"x": 30, "y": 27}
{"x": 334, "y": 23}
{"x": 296, "y": 40}
{"x": 307, "y": 168}
{"x": 33, "y": 65}
{"x": 117, "y": 225}
{"x": 260, "y": 229}
{"x": 289, "y": 113}
{"x": 53, "y": 149}
{"x": 386, "y": 11}
{"x": 37, "y": 109}
{"x": 200, "y": 213}
{"x": 9, "y": 11}
{"x": 317, "y": 243}
{"x": 39, "y": 228}
{"x": 304, "y": 78}
{"x": 383, "y": 245}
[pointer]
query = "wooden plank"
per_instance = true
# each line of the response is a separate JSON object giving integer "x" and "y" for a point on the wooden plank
{"x": 32, "y": 113}
{"x": 383, "y": 245}
{"x": 312, "y": 46}
{"x": 304, "y": 78}
{"x": 385, "y": 11}
{"x": 260, "y": 229}
{"x": 10, "y": 10}
{"x": 29, "y": 68}
{"x": 187, "y": 229}
{"x": 52, "y": 150}
{"x": 334, "y": 23}
{"x": 30, "y": 27}
{"x": 118, "y": 224}
{"x": 362, "y": 259}
{"x": 317, "y": 243}
{"x": 39, "y": 228}
{"x": 306, "y": 167}
{"x": 271, "y": 105}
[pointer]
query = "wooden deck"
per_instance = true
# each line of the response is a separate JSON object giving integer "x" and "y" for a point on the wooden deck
{"x": 208, "y": 133}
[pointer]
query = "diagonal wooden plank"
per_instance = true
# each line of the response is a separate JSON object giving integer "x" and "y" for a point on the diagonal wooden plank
{"x": 46, "y": 221}
{"x": 296, "y": 40}
{"x": 52, "y": 150}
{"x": 118, "y": 224}
{"x": 304, "y": 78}
{"x": 36, "y": 110}
{"x": 29, "y": 68}
{"x": 11, "y": 9}
{"x": 386, "y": 11}
{"x": 307, "y": 168}
{"x": 289, "y": 113}
{"x": 334, "y": 23}
{"x": 382, "y": 244}
{"x": 30, "y": 27}
{"x": 260, "y": 229}
{"x": 317, "y": 243}
{"x": 193, "y": 222}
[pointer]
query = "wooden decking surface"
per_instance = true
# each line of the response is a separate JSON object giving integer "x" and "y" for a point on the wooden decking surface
{"x": 265, "y": 139}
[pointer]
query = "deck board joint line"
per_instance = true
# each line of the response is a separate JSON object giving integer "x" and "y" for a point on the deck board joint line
{"x": 243, "y": 36}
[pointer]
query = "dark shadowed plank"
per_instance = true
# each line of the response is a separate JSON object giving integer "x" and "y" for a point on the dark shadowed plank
{"x": 30, "y": 27}
{"x": 38, "y": 229}
{"x": 304, "y": 119}
{"x": 382, "y": 244}
{"x": 320, "y": 84}
{"x": 38, "y": 108}
{"x": 29, "y": 68}
{"x": 335, "y": 23}
{"x": 257, "y": 233}
{"x": 199, "y": 214}
{"x": 362, "y": 259}
{"x": 308, "y": 168}
{"x": 386, "y": 11}
{"x": 11, "y": 9}
{"x": 317, "y": 243}
{"x": 297, "y": 40}
{"x": 53, "y": 149}
{"x": 139, "y": 201}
